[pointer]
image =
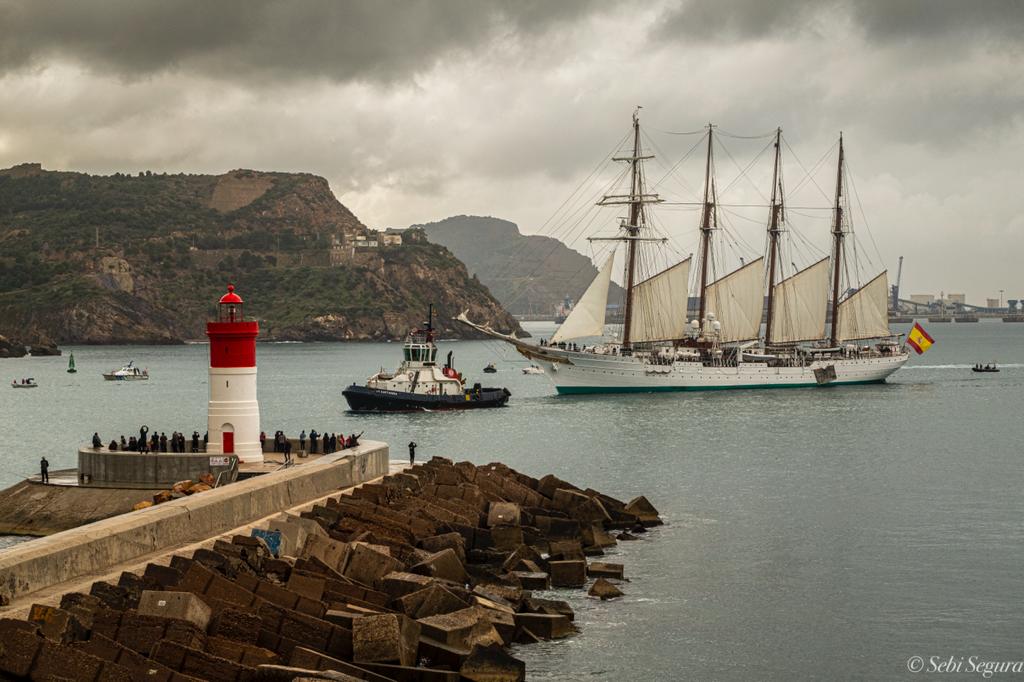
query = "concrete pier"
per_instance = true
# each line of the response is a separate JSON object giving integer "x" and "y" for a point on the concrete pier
{"x": 91, "y": 549}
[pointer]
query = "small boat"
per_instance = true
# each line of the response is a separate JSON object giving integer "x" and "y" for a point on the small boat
{"x": 985, "y": 368}
{"x": 532, "y": 369}
{"x": 127, "y": 373}
{"x": 490, "y": 369}
{"x": 71, "y": 364}
{"x": 25, "y": 383}
{"x": 420, "y": 385}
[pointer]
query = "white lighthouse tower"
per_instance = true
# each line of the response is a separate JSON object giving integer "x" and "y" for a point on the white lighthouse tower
{"x": 233, "y": 418}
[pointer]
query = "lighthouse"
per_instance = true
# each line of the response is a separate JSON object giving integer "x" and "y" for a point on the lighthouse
{"x": 233, "y": 417}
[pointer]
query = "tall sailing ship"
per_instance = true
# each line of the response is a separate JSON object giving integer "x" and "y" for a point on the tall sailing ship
{"x": 723, "y": 346}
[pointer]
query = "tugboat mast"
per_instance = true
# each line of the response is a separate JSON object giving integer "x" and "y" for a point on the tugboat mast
{"x": 773, "y": 236}
{"x": 837, "y": 246}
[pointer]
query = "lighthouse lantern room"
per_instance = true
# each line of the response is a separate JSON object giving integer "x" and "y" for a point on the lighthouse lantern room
{"x": 233, "y": 417}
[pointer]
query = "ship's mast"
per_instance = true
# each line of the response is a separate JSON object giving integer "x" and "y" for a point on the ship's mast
{"x": 705, "y": 226}
{"x": 837, "y": 246}
{"x": 633, "y": 230}
{"x": 773, "y": 236}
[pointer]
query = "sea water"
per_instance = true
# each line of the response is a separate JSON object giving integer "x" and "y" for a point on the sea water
{"x": 816, "y": 532}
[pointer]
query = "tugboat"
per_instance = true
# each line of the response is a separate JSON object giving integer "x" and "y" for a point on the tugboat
{"x": 419, "y": 384}
{"x": 127, "y": 373}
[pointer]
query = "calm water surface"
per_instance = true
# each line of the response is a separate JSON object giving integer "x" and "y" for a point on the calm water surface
{"x": 810, "y": 532}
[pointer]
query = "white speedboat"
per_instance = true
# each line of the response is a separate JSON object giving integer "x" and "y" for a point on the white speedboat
{"x": 127, "y": 373}
{"x": 532, "y": 369}
{"x": 25, "y": 383}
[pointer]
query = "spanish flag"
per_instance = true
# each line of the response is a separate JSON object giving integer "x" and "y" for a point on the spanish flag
{"x": 919, "y": 339}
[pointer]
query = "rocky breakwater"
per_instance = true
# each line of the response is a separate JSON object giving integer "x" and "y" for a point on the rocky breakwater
{"x": 427, "y": 575}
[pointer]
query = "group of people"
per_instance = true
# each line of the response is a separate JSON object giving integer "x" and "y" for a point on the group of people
{"x": 560, "y": 344}
{"x": 158, "y": 442}
{"x": 319, "y": 443}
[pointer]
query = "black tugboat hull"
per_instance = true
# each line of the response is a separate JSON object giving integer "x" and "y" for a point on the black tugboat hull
{"x": 363, "y": 399}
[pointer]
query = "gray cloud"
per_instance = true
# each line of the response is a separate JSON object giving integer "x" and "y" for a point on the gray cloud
{"x": 883, "y": 21}
{"x": 418, "y": 110}
{"x": 339, "y": 40}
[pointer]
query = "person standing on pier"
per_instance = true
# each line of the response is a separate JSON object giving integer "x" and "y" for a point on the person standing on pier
{"x": 412, "y": 452}
{"x": 44, "y": 471}
{"x": 96, "y": 442}
{"x": 302, "y": 440}
{"x": 287, "y": 449}
{"x": 312, "y": 440}
{"x": 163, "y": 442}
{"x": 195, "y": 441}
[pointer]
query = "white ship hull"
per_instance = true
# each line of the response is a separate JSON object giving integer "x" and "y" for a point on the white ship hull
{"x": 591, "y": 373}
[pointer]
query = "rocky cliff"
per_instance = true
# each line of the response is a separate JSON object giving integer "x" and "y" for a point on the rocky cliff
{"x": 143, "y": 259}
{"x": 528, "y": 274}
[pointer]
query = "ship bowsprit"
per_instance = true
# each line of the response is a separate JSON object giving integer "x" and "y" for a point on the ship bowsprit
{"x": 364, "y": 399}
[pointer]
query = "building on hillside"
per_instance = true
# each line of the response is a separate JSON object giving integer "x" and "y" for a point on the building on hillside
{"x": 393, "y": 236}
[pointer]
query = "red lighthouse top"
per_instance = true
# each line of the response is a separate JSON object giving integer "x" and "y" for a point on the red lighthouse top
{"x": 232, "y": 339}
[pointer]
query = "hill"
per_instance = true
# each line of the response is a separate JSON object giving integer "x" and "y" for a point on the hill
{"x": 528, "y": 274}
{"x": 144, "y": 258}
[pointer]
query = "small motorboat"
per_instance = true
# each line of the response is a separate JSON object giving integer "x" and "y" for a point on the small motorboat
{"x": 127, "y": 373}
{"x": 71, "y": 364}
{"x": 532, "y": 369}
{"x": 991, "y": 367}
{"x": 491, "y": 369}
{"x": 25, "y": 383}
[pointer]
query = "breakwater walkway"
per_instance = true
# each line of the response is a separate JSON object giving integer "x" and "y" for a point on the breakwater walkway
{"x": 428, "y": 574}
{"x": 94, "y": 548}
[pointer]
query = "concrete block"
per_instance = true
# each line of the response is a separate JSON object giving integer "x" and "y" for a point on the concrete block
{"x": 492, "y": 664}
{"x": 452, "y": 540}
{"x": 57, "y": 624}
{"x": 236, "y": 624}
{"x": 430, "y": 601}
{"x": 331, "y": 552}
{"x": 58, "y": 662}
{"x": 399, "y": 583}
{"x": 461, "y": 629}
{"x": 308, "y": 586}
{"x": 570, "y": 573}
{"x": 644, "y": 511}
{"x": 532, "y": 580}
{"x": 580, "y": 507}
{"x": 21, "y": 643}
{"x": 506, "y": 538}
{"x": 301, "y": 657}
{"x": 181, "y": 605}
{"x": 385, "y": 638}
{"x": 604, "y": 589}
{"x": 555, "y": 607}
{"x": 603, "y": 569}
{"x": 544, "y": 625}
{"x": 288, "y": 673}
{"x": 368, "y": 564}
{"x": 594, "y": 535}
{"x": 444, "y": 565}
{"x": 563, "y": 550}
{"x": 503, "y": 514}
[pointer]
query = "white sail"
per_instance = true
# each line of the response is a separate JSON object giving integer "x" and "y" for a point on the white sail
{"x": 659, "y": 305}
{"x": 865, "y": 314}
{"x": 587, "y": 317}
{"x": 799, "y": 303}
{"x": 737, "y": 300}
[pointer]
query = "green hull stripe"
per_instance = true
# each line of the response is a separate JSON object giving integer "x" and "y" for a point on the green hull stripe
{"x": 579, "y": 390}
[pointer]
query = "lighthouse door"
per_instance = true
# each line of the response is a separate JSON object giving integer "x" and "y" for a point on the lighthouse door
{"x": 229, "y": 442}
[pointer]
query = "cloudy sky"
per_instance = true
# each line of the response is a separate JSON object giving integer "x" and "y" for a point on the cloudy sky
{"x": 416, "y": 110}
